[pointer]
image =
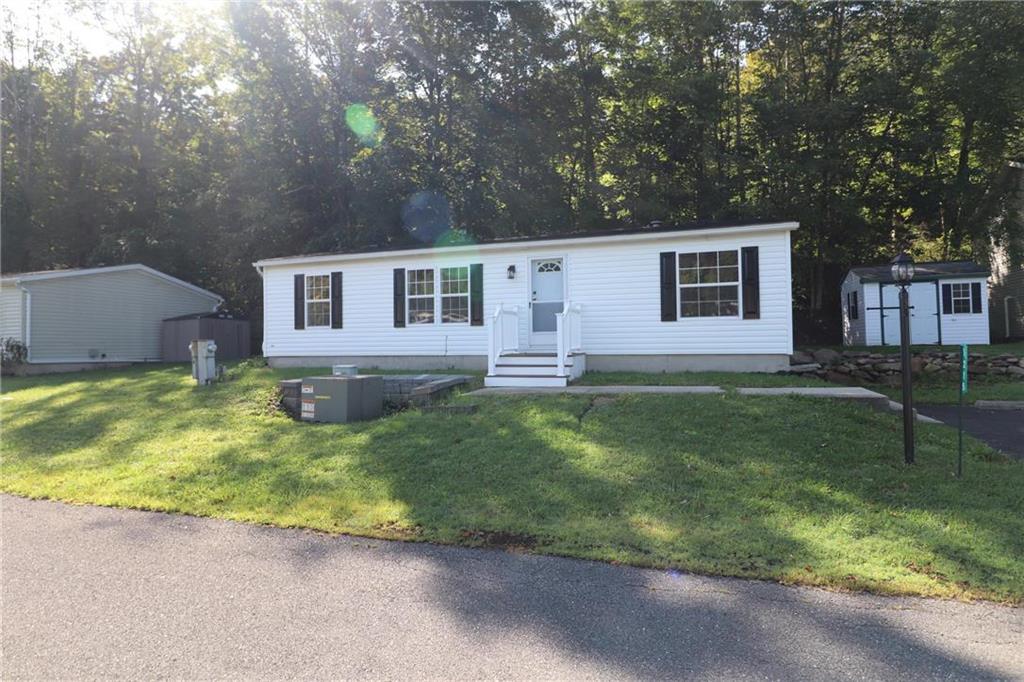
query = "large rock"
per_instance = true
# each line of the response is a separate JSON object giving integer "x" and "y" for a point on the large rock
{"x": 801, "y": 357}
{"x": 826, "y": 356}
{"x": 804, "y": 368}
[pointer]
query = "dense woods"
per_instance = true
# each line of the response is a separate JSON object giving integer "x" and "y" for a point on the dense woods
{"x": 284, "y": 128}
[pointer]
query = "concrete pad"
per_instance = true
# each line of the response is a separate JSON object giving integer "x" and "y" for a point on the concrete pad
{"x": 596, "y": 390}
{"x": 841, "y": 392}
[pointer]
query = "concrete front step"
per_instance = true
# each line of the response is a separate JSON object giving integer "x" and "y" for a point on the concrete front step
{"x": 528, "y": 370}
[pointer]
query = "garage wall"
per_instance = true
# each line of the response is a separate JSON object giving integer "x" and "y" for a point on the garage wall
{"x": 106, "y": 316}
{"x": 12, "y": 313}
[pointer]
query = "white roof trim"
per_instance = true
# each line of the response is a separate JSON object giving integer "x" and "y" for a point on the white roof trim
{"x": 59, "y": 274}
{"x": 523, "y": 244}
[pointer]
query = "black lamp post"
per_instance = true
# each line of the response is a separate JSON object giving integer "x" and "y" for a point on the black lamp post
{"x": 902, "y": 273}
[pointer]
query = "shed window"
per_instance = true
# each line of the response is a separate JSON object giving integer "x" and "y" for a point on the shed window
{"x": 961, "y": 292}
{"x": 455, "y": 295}
{"x": 709, "y": 284}
{"x": 318, "y": 300}
{"x": 852, "y": 305}
{"x": 420, "y": 296}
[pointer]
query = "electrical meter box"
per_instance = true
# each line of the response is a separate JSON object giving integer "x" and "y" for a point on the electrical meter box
{"x": 341, "y": 399}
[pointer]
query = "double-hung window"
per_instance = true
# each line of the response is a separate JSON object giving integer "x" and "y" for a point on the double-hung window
{"x": 961, "y": 292}
{"x": 421, "y": 296}
{"x": 709, "y": 284}
{"x": 441, "y": 293}
{"x": 318, "y": 300}
{"x": 455, "y": 295}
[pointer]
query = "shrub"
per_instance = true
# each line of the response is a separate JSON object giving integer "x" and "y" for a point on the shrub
{"x": 12, "y": 353}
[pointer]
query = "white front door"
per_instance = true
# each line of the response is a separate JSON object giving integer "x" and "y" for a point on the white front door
{"x": 547, "y": 298}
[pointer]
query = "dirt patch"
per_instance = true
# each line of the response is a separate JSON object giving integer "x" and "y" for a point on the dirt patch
{"x": 398, "y": 531}
{"x": 499, "y": 538}
{"x": 595, "y": 402}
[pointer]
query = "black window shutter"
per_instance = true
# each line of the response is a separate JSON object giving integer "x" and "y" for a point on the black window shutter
{"x": 476, "y": 294}
{"x": 975, "y": 297}
{"x": 751, "y": 283}
{"x": 947, "y": 299}
{"x": 668, "y": 286}
{"x": 856, "y": 306}
{"x": 399, "y": 297}
{"x": 336, "y": 299}
{"x": 300, "y": 301}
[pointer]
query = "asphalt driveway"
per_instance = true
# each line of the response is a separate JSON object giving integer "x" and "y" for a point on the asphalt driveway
{"x": 90, "y": 592}
{"x": 1002, "y": 429}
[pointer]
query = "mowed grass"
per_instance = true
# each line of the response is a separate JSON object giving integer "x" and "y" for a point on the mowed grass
{"x": 724, "y": 379}
{"x": 789, "y": 489}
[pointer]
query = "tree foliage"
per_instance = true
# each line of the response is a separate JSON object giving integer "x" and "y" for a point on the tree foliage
{"x": 301, "y": 127}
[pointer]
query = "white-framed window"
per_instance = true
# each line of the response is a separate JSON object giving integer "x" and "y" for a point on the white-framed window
{"x": 318, "y": 300}
{"x": 961, "y": 293}
{"x": 455, "y": 295}
{"x": 709, "y": 284}
{"x": 420, "y": 296}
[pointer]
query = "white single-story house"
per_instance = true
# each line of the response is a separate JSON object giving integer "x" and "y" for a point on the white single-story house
{"x": 74, "y": 319}
{"x": 539, "y": 310}
{"x": 948, "y": 305}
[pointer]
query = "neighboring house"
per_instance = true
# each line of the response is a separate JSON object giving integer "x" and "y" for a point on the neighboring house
{"x": 537, "y": 311}
{"x": 1006, "y": 297}
{"x": 72, "y": 319}
{"x": 948, "y": 305}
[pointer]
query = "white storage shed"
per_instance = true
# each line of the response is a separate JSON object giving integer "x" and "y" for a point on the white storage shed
{"x": 948, "y": 305}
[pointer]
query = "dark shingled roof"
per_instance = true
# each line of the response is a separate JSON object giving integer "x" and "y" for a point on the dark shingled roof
{"x": 923, "y": 272}
{"x": 657, "y": 226}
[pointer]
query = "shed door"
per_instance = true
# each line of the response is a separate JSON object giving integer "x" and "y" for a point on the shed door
{"x": 924, "y": 322}
{"x": 924, "y": 319}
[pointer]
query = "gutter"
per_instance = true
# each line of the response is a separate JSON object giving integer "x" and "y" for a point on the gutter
{"x": 27, "y": 332}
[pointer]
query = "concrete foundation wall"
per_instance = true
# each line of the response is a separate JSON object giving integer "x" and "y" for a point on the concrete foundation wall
{"x": 32, "y": 369}
{"x": 363, "y": 362}
{"x": 687, "y": 363}
{"x": 595, "y": 363}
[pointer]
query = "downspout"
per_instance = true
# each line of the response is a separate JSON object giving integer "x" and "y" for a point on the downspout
{"x": 263, "y": 345}
{"x": 27, "y": 332}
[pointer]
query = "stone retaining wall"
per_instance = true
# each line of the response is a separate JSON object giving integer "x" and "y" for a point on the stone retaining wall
{"x": 863, "y": 366}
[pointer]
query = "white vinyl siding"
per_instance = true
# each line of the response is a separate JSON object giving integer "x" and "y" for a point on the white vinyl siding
{"x": 105, "y": 317}
{"x": 617, "y": 284}
{"x": 12, "y": 313}
{"x": 854, "y": 333}
{"x": 925, "y": 299}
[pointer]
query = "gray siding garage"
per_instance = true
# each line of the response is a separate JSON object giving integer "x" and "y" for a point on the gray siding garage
{"x": 96, "y": 315}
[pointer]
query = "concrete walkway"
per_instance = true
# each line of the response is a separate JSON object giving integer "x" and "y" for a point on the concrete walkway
{"x": 90, "y": 592}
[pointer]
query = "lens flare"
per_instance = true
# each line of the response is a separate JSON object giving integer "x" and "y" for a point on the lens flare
{"x": 363, "y": 123}
{"x": 426, "y": 216}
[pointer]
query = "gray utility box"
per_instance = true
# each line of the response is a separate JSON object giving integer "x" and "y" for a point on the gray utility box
{"x": 342, "y": 399}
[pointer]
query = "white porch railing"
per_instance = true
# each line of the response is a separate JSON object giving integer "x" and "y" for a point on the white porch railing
{"x": 568, "y": 333}
{"x": 504, "y": 334}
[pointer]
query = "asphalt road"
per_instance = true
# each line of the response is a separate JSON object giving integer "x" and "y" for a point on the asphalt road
{"x": 1002, "y": 429}
{"x": 90, "y": 592}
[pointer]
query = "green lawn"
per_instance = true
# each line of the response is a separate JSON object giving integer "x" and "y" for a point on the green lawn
{"x": 788, "y": 489}
{"x": 936, "y": 390}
